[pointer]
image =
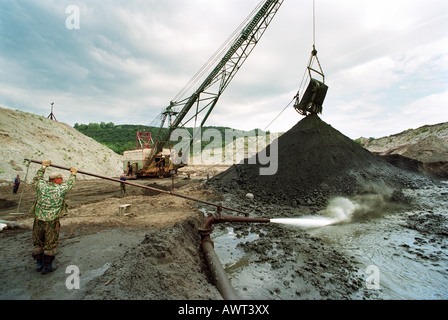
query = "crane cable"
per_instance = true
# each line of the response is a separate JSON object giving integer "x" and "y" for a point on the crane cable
{"x": 279, "y": 115}
{"x": 216, "y": 56}
{"x": 304, "y": 74}
{"x": 314, "y": 24}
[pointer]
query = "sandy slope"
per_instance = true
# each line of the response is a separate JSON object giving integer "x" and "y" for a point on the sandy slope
{"x": 25, "y": 135}
{"x": 426, "y": 144}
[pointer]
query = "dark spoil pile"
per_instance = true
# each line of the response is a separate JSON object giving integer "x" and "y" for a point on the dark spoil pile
{"x": 315, "y": 162}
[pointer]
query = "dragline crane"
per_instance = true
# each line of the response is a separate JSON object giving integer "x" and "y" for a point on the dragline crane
{"x": 226, "y": 63}
{"x": 199, "y": 97}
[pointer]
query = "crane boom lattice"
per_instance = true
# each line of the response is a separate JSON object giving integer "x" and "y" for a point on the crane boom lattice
{"x": 205, "y": 97}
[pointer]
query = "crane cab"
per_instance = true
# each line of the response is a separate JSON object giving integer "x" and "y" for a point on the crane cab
{"x": 135, "y": 162}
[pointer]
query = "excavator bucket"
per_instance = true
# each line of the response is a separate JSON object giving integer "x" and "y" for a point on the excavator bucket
{"x": 313, "y": 98}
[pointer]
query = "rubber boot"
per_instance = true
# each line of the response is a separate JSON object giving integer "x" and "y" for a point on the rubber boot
{"x": 39, "y": 260}
{"x": 48, "y": 266}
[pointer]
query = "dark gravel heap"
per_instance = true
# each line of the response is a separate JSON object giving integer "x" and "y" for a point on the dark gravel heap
{"x": 315, "y": 162}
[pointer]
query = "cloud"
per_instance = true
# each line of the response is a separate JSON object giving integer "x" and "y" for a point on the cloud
{"x": 434, "y": 108}
{"x": 130, "y": 58}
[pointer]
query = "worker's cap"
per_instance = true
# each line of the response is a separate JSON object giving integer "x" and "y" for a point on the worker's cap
{"x": 55, "y": 175}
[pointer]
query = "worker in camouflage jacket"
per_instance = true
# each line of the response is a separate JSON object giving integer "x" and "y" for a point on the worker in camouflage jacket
{"x": 48, "y": 208}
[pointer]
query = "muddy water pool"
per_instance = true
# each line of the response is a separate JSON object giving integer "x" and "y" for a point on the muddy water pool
{"x": 402, "y": 255}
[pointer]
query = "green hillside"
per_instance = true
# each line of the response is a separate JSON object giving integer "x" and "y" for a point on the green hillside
{"x": 123, "y": 137}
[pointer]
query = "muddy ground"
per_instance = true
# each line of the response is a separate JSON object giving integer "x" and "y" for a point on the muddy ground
{"x": 153, "y": 251}
{"x": 406, "y": 240}
{"x": 96, "y": 239}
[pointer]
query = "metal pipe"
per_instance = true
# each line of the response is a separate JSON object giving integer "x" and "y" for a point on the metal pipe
{"x": 145, "y": 187}
{"x": 220, "y": 218}
{"x": 222, "y": 282}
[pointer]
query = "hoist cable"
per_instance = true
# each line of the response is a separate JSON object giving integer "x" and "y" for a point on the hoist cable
{"x": 314, "y": 24}
{"x": 307, "y": 70}
{"x": 216, "y": 56}
{"x": 278, "y": 115}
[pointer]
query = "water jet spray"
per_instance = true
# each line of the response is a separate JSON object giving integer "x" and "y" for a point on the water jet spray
{"x": 309, "y": 222}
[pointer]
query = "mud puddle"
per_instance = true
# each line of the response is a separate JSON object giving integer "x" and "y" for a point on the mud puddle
{"x": 400, "y": 265}
{"x": 250, "y": 277}
{"x": 268, "y": 262}
{"x": 401, "y": 255}
{"x": 409, "y": 249}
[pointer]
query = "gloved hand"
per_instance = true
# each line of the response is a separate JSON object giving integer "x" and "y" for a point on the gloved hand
{"x": 46, "y": 163}
{"x": 73, "y": 170}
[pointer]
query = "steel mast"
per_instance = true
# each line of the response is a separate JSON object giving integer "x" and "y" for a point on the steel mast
{"x": 207, "y": 94}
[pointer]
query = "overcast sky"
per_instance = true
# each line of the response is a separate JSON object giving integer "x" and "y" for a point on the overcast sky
{"x": 385, "y": 61}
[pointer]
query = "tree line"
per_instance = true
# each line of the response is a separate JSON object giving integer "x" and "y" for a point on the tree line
{"x": 121, "y": 138}
{"x": 118, "y": 138}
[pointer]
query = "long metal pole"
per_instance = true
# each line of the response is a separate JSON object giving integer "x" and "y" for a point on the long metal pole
{"x": 145, "y": 187}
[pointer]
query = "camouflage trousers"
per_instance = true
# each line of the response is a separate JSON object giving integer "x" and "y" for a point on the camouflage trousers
{"x": 46, "y": 236}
